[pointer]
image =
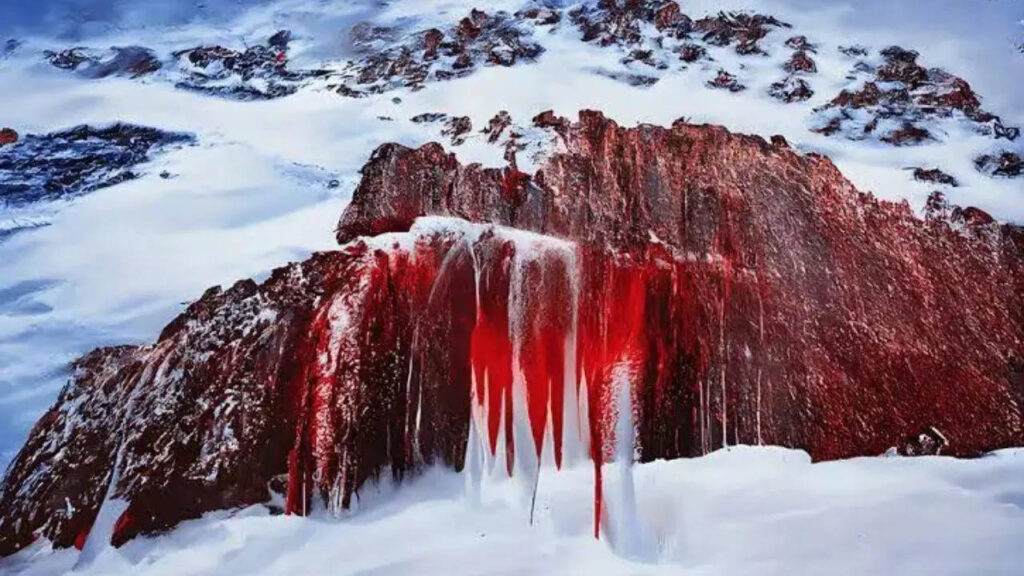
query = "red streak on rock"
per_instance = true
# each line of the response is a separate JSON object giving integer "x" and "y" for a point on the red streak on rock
{"x": 491, "y": 347}
{"x": 80, "y": 539}
{"x": 120, "y": 534}
{"x": 513, "y": 186}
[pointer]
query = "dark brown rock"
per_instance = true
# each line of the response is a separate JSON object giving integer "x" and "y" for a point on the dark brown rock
{"x": 367, "y": 37}
{"x": 801, "y": 43}
{"x": 8, "y": 136}
{"x": 1006, "y": 163}
{"x": 130, "y": 61}
{"x": 497, "y": 125}
{"x": 937, "y": 208}
{"x": 909, "y": 134}
{"x": 543, "y": 16}
{"x": 726, "y": 81}
{"x": 463, "y": 61}
{"x": 548, "y": 119}
{"x": 389, "y": 61}
{"x": 800, "y": 62}
{"x": 854, "y": 51}
{"x": 791, "y": 89}
{"x": 743, "y": 29}
{"x": 667, "y": 16}
{"x": 259, "y": 71}
{"x": 971, "y": 216}
{"x": 431, "y": 42}
{"x": 930, "y": 442}
{"x": 934, "y": 176}
{"x": 429, "y": 117}
{"x": 610, "y": 22}
{"x": 456, "y": 129}
{"x": 691, "y": 53}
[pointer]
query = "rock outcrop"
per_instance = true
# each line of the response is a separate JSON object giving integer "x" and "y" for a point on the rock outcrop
{"x": 935, "y": 176}
{"x": 656, "y": 36}
{"x": 1007, "y": 163}
{"x": 129, "y": 61}
{"x": 259, "y": 72}
{"x": 39, "y": 171}
{"x": 707, "y": 288}
{"x": 8, "y": 136}
{"x": 387, "y": 60}
{"x": 900, "y": 102}
{"x": 793, "y": 88}
{"x": 47, "y": 167}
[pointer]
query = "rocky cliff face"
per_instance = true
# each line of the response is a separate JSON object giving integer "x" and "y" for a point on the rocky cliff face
{"x": 670, "y": 289}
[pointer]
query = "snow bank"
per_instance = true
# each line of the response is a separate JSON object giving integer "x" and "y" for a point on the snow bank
{"x": 744, "y": 510}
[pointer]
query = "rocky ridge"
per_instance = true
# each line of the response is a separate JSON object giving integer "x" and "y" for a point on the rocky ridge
{"x": 718, "y": 288}
{"x": 47, "y": 167}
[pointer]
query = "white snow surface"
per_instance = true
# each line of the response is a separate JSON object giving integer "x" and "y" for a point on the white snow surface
{"x": 739, "y": 511}
{"x": 116, "y": 265}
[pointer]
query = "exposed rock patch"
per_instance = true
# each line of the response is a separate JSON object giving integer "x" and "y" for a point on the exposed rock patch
{"x": 259, "y": 72}
{"x": 129, "y": 61}
{"x": 934, "y": 176}
{"x": 791, "y": 89}
{"x": 691, "y": 53}
{"x": 548, "y": 119}
{"x": 479, "y": 39}
{"x": 900, "y": 102}
{"x": 10, "y": 47}
{"x": 497, "y": 125}
{"x": 657, "y": 36}
{"x": 800, "y": 62}
{"x": 1006, "y": 163}
{"x": 855, "y": 51}
{"x": 741, "y": 29}
{"x": 457, "y": 128}
{"x": 429, "y": 117}
{"x": 8, "y": 136}
{"x": 726, "y": 81}
{"x": 47, "y": 167}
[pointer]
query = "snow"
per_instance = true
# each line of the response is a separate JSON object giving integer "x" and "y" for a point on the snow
{"x": 743, "y": 510}
{"x": 113, "y": 267}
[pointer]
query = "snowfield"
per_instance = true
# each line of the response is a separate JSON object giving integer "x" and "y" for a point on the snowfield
{"x": 745, "y": 510}
{"x": 265, "y": 185}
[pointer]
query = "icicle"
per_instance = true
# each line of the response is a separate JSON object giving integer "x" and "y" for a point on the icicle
{"x": 760, "y": 441}
{"x": 700, "y": 415}
{"x": 626, "y": 532}
{"x": 572, "y": 419}
{"x": 760, "y": 360}
{"x": 723, "y": 360}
